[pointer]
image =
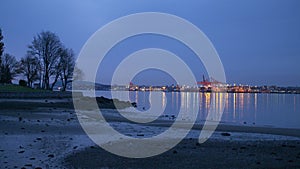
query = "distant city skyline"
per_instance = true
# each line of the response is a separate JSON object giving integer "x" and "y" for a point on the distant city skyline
{"x": 257, "y": 41}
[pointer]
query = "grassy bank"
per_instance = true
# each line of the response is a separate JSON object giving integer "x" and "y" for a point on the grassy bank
{"x": 17, "y": 88}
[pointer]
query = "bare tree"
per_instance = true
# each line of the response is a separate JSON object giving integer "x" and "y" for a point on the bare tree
{"x": 29, "y": 67}
{"x": 1, "y": 52}
{"x": 66, "y": 66}
{"x": 8, "y": 68}
{"x": 1, "y": 45}
{"x": 47, "y": 47}
{"x": 77, "y": 74}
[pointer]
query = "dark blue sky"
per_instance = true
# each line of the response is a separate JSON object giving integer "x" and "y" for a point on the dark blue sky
{"x": 258, "y": 41}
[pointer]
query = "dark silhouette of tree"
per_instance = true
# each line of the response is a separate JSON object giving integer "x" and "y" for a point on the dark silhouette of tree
{"x": 29, "y": 66}
{"x": 1, "y": 52}
{"x": 8, "y": 68}
{"x": 1, "y": 44}
{"x": 47, "y": 47}
{"x": 67, "y": 66}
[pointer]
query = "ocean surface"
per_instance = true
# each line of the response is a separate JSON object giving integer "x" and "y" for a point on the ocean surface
{"x": 250, "y": 109}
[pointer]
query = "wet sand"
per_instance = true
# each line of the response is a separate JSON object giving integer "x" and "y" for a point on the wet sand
{"x": 38, "y": 135}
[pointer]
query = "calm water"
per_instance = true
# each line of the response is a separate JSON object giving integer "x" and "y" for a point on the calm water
{"x": 275, "y": 110}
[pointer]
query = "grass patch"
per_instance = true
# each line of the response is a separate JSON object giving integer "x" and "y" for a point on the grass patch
{"x": 17, "y": 88}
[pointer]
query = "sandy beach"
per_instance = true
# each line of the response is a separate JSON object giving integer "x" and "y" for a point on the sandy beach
{"x": 46, "y": 134}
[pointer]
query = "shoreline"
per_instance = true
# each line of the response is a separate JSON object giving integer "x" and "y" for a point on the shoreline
{"x": 112, "y": 116}
{"x": 51, "y": 137}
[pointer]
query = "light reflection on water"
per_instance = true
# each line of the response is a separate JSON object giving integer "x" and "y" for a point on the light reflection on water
{"x": 254, "y": 109}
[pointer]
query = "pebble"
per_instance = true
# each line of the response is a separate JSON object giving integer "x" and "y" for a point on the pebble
{"x": 51, "y": 155}
{"x": 225, "y": 134}
{"x": 243, "y": 148}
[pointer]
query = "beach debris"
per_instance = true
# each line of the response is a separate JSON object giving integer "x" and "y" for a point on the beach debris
{"x": 242, "y": 148}
{"x": 21, "y": 151}
{"x": 51, "y": 155}
{"x": 75, "y": 147}
{"x": 38, "y": 138}
{"x": 225, "y": 134}
{"x": 139, "y": 134}
{"x": 20, "y": 118}
{"x": 32, "y": 158}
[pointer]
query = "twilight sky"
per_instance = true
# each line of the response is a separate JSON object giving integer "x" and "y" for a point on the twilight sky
{"x": 258, "y": 41}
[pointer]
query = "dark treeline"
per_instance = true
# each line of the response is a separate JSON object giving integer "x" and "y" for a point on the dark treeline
{"x": 46, "y": 62}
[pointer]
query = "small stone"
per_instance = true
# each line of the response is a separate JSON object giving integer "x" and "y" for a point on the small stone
{"x": 175, "y": 152}
{"x": 51, "y": 155}
{"x": 21, "y": 151}
{"x": 225, "y": 134}
{"x": 38, "y": 138}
